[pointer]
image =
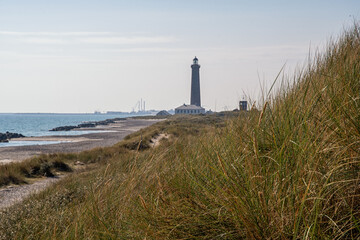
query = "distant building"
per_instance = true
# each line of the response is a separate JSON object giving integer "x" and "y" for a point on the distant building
{"x": 163, "y": 113}
{"x": 189, "y": 109}
{"x": 243, "y": 105}
{"x": 195, "y": 101}
{"x": 209, "y": 112}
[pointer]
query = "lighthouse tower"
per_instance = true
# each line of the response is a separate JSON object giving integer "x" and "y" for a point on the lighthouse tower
{"x": 195, "y": 104}
{"x": 195, "y": 84}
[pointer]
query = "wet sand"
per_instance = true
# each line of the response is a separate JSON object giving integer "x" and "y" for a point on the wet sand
{"x": 113, "y": 133}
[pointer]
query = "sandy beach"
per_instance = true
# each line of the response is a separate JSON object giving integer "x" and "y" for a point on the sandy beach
{"x": 111, "y": 134}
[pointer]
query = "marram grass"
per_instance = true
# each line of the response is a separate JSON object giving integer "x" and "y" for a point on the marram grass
{"x": 289, "y": 170}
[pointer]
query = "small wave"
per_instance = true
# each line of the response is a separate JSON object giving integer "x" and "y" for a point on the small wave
{"x": 29, "y": 143}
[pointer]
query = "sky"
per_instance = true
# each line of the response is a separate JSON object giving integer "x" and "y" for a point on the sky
{"x": 81, "y": 56}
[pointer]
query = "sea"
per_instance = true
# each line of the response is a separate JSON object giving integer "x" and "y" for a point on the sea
{"x": 39, "y": 124}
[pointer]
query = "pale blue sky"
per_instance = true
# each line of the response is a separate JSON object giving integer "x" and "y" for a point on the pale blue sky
{"x": 81, "y": 56}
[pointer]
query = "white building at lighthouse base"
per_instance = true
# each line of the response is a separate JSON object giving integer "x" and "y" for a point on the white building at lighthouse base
{"x": 189, "y": 109}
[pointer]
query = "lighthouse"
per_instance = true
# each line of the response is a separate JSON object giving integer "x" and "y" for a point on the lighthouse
{"x": 195, "y": 83}
{"x": 195, "y": 104}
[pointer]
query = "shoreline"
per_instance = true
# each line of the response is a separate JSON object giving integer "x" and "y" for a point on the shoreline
{"x": 103, "y": 136}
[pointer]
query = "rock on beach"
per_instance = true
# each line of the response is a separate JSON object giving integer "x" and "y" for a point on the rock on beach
{"x": 5, "y": 137}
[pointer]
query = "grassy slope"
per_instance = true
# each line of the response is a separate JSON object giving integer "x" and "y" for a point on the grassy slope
{"x": 58, "y": 206}
{"x": 288, "y": 171}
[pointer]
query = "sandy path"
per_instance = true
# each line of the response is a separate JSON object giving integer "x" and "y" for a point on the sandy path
{"x": 14, "y": 194}
{"x": 156, "y": 141}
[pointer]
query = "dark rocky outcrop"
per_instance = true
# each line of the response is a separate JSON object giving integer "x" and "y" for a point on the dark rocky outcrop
{"x": 87, "y": 124}
{"x": 64, "y": 128}
{"x": 5, "y": 137}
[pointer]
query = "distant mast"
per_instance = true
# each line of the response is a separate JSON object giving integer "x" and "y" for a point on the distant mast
{"x": 195, "y": 84}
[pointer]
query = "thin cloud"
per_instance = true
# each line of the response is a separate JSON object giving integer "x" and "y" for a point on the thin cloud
{"x": 146, "y": 50}
{"x": 84, "y": 37}
{"x": 127, "y": 40}
{"x": 45, "y": 40}
{"x": 54, "y": 34}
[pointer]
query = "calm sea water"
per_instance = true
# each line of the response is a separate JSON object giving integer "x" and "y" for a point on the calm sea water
{"x": 40, "y": 124}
